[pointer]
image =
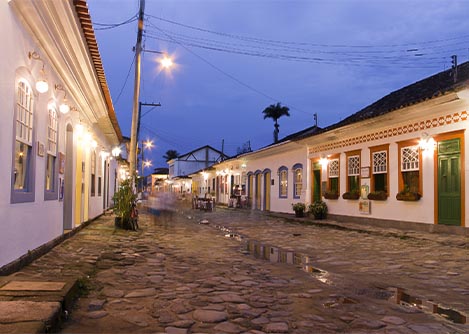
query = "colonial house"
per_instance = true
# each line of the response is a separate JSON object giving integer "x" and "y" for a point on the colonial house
{"x": 58, "y": 125}
{"x": 181, "y": 167}
{"x": 401, "y": 159}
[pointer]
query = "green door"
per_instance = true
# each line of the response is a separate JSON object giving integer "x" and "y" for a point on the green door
{"x": 449, "y": 182}
{"x": 316, "y": 182}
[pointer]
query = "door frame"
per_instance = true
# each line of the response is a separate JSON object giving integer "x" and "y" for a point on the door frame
{"x": 443, "y": 137}
{"x": 313, "y": 163}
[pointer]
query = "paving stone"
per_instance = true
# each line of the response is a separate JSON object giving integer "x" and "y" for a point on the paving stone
{"x": 21, "y": 311}
{"x": 276, "y": 327}
{"x": 209, "y": 316}
{"x": 228, "y": 327}
{"x": 176, "y": 330}
{"x": 393, "y": 320}
{"x": 96, "y": 314}
{"x": 141, "y": 293}
{"x": 96, "y": 304}
{"x": 114, "y": 293}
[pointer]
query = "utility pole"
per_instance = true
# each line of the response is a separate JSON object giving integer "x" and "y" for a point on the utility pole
{"x": 140, "y": 104}
{"x": 135, "y": 109}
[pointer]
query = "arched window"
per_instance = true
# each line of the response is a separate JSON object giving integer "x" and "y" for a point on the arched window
{"x": 51, "y": 154}
{"x": 283, "y": 182}
{"x": 297, "y": 180}
{"x": 23, "y": 174}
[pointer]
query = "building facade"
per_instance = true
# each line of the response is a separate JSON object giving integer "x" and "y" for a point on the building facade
{"x": 58, "y": 124}
{"x": 402, "y": 159}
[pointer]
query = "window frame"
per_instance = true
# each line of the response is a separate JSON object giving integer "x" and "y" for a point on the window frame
{"x": 374, "y": 150}
{"x": 283, "y": 171}
{"x": 28, "y": 194}
{"x": 404, "y": 144}
{"x": 348, "y": 155}
{"x": 93, "y": 173}
{"x": 335, "y": 157}
{"x": 297, "y": 184}
{"x": 52, "y": 194}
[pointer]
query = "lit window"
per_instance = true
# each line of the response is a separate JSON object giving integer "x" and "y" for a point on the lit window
{"x": 93, "y": 173}
{"x": 379, "y": 161}
{"x": 24, "y": 133}
{"x": 283, "y": 182}
{"x": 410, "y": 169}
{"x": 51, "y": 149}
{"x": 334, "y": 171}
{"x": 298, "y": 183}
{"x": 353, "y": 173}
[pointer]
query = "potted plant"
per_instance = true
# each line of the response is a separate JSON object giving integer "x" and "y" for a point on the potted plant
{"x": 318, "y": 209}
{"x": 299, "y": 209}
{"x": 353, "y": 194}
{"x": 331, "y": 195}
{"x": 379, "y": 195}
{"x": 124, "y": 201}
{"x": 407, "y": 195}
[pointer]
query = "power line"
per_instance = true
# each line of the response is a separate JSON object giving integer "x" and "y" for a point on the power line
{"x": 126, "y": 78}
{"x": 226, "y": 73}
{"x": 107, "y": 26}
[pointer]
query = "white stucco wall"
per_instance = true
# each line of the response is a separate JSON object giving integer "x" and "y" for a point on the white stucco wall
{"x": 26, "y": 226}
{"x": 293, "y": 155}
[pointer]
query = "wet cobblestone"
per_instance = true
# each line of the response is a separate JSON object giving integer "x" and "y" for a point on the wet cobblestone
{"x": 175, "y": 275}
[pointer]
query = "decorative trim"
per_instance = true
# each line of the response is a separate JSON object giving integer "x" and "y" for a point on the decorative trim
{"x": 393, "y": 132}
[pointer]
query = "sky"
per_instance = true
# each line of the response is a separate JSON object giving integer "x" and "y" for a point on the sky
{"x": 234, "y": 58}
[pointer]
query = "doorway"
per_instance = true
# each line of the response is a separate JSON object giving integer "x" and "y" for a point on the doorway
{"x": 316, "y": 180}
{"x": 449, "y": 182}
{"x": 267, "y": 185}
{"x": 68, "y": 180}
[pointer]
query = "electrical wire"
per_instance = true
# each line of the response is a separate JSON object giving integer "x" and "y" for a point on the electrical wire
{"x": 126, "y": 79}
{"x": 107, "y": 26}
{"x": 257, "y": 91}
{"x": 427, "y": 54}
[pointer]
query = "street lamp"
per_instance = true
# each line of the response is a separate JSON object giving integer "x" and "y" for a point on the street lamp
{"x": 148, "y": 144}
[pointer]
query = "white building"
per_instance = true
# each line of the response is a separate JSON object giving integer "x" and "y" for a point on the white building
{"x": 401, "y": 160}
{"x": 188, "y": 163}
{"x": 58, "y": 171}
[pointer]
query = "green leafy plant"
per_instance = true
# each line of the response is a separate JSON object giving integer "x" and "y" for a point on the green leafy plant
{"x": 318, "y": 209}
{"x": 299, "y": 209}
{"x": 124, "y": 200}
{"x": 378, "y": 195}
{"x": 331, "y": 195}
{"x": 353, "y": 194}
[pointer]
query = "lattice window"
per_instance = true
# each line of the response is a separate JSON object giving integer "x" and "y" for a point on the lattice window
{"x": 353, "y": 165}
{"x": 380, "y": 162}
{"x": 410, "y": 158}
{"x": 52, "y": 132}
{"x": 24, "y": 116}
{"x": 334, "y": 168}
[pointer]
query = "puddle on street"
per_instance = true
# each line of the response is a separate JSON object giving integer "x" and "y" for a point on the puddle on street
{"x": 277, "y": 255}
{"x": 274, "y": 254}
{"x": 403, "y": 298}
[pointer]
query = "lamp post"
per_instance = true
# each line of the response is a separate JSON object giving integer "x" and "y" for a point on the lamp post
{"x": 145, "y": 145}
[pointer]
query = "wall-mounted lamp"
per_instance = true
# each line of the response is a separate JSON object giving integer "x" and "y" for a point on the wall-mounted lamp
{"x": 427, "y": 143}
{"x": 323, "y": 161}
{"x": 116, "y": 151}
{"x": 64, "y": 107}
{"x": 41, "y": 85}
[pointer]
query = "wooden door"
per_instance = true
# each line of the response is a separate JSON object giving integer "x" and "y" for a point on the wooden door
{"x": 449, "y": 182}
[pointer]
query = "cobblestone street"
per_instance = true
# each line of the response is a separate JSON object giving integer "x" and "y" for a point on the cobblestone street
{"x": 188, "y": 272}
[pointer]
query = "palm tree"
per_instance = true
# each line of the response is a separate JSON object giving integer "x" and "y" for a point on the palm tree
{"x": 275, "y": 111}
{"x": 170, "y": 155}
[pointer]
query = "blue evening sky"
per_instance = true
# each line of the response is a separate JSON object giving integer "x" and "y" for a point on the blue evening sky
{"x": 236, "y": 57}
